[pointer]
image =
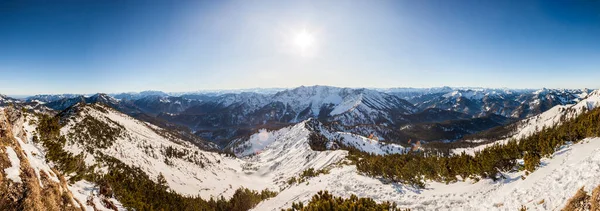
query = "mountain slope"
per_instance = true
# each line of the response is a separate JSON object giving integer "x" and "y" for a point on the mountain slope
{"x": 531, "y": 125}
{"x": 548, "y": 188}
{"x": 31, "y": 183}
{"x": 95, "y": 131}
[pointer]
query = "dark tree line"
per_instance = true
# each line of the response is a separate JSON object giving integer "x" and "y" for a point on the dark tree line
{"x": 324, "y": 201}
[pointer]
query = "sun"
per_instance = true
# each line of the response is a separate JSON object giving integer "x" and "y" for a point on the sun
{"x": 304, "y": 40}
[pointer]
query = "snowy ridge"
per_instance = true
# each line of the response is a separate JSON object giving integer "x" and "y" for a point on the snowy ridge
{"x": 264, "y": 140}
{"x": 513, "y": 103}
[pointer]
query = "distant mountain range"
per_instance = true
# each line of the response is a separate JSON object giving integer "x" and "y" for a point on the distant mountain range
{"x": 395, "y": 115}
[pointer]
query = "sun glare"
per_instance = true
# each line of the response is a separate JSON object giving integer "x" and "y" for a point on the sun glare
{"x": 304, "y": 40}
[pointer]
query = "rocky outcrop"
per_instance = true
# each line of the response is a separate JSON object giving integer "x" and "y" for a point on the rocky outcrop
{"x": 21, "y": 188}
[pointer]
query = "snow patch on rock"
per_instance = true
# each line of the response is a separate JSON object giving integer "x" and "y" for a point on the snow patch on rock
{"x": 14, "y": 171}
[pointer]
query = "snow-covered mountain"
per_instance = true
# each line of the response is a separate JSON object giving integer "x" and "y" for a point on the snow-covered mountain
{"x": 5, "y": 100}
{"x": 138, "y": 95}
{"x": 46, "y": 98}
{"x": 319, "y": 101}
{"x": 549, "y": 118}
{"x": 505, "y": 102}
{"x": 222, "y": 116}
{"x": 155, "y": 104}
{"x": 350, "y": 106}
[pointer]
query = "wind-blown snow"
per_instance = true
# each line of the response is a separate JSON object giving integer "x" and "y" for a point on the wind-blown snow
{"x": 14, "y": 171}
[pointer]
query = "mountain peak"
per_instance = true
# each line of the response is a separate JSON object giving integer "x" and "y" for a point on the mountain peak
{"x": 102, "y": 98}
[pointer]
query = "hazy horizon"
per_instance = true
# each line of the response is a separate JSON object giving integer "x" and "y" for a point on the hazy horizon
{"x": 275, "y": 89}
{"x": 106, "y": 46}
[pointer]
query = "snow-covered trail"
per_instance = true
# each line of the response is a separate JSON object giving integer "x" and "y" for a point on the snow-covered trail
{"x": 548, "y": 188}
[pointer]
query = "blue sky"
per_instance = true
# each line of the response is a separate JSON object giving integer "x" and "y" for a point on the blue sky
{"x": 117, "y": 46}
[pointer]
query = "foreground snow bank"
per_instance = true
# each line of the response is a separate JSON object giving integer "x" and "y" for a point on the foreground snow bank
{"x": 548, "y": 188}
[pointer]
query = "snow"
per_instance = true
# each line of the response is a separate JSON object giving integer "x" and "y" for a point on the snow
{"x": 368, "y": 145}
{"x": 14, "y": 171}
{"x": 34, "y": 153}
{"x": 262, "y": 140}
{"x": 471, "y": 94}
{"x": 83, "y": 191}
{"x": 285, "y": 157}
{"x": 554, "y": 182}
{"x": 257, "y": 142}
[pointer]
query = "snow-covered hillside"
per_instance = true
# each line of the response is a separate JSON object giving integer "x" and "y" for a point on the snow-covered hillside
{"x": 547, "y": 119}
{"x": 282, "y": 154}
{"x": 189, "y": 171}
{"x": 556, "y": 114}
{"x": 265, "y": 140}
{"x": 46, "y": 187}
{"x": 548, "y": 188}
{"x": 267, "y": 159}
